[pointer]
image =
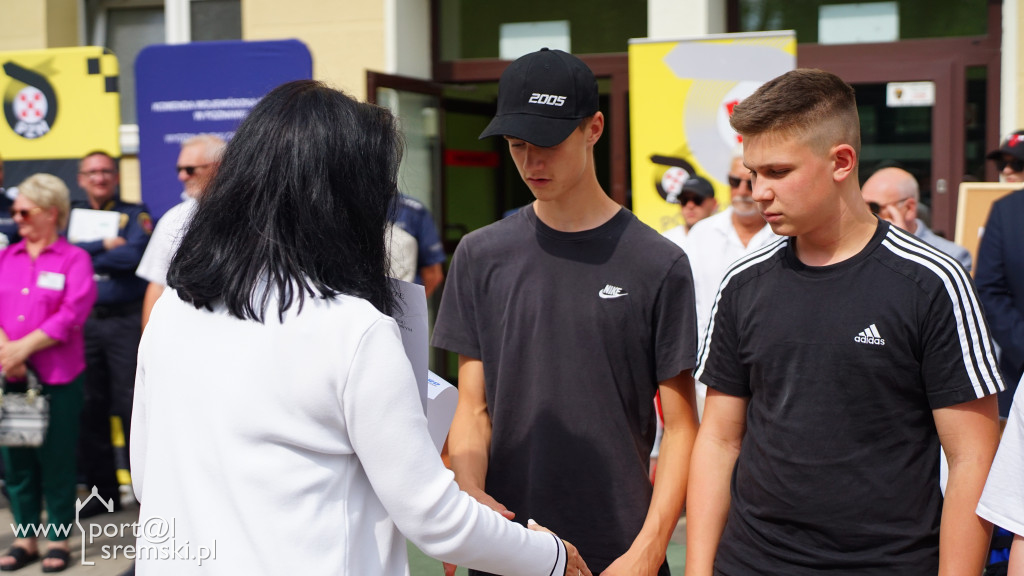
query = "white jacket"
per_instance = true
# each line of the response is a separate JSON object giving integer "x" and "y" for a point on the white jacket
{"x": 299, "y": 448}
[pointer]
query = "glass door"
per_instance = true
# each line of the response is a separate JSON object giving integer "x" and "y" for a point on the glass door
{"x": 417, "y": 105}
{"x": 939, "y": 141}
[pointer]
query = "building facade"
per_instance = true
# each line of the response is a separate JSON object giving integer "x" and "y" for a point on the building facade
{"x": 436, "y": 62}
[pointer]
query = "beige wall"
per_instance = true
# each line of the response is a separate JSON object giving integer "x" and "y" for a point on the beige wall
{"x": 38, "y": 24}
{"x": 61, "y": 23}
{"x": 23, "y": 25}
{"x": 345, "y": 37}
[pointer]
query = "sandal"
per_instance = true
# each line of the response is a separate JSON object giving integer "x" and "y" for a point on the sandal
{"x": 22, "y": 558}
{"x": 57, "y": 554}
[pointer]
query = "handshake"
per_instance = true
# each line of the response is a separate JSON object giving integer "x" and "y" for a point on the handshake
{"x": 574, "y": 564}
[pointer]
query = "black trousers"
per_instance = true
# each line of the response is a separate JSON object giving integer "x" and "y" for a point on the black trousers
{"x": 111, "y": 353}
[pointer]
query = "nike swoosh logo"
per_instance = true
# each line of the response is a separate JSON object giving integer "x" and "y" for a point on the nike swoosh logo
{"x": 607, "y": 296}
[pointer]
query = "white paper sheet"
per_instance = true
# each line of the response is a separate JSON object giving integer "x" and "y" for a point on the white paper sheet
{"x": 412, "y": 320}
{"x": 442, "y": 398}
{"x": 90, "y": 225}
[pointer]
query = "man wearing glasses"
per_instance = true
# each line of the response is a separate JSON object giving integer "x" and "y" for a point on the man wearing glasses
{"x": 1000, "y": 273}
{"x": 893, "y": 195}
{"x": 715, "y": 243}
{"x": 112, "y": 330}
{"x": 197, "y": 163}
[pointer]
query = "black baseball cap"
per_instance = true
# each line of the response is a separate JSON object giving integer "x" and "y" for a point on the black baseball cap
{"x": 696, "y": 185}
{"x": 1012, "y": 146}
{"x": 542, "y": 97}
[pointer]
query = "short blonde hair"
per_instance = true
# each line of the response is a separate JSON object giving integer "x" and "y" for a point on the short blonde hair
{"x": 48, "y": 191}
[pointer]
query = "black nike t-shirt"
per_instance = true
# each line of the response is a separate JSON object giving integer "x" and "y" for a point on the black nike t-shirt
{"x": 838, "y": 470}
{"x": 575, "y": 330}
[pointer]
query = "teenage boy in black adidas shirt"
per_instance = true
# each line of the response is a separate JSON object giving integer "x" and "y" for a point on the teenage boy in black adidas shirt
{"x": 837, "y": 359}
{"x": 567, "y": 317}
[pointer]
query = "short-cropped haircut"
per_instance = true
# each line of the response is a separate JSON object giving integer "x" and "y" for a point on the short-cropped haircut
{"x": 813, "y": 104}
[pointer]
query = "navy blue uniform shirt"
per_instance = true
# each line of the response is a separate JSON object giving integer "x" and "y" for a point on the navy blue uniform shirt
{"x": 413, "y": 217}
{"x": 116, "y": 282}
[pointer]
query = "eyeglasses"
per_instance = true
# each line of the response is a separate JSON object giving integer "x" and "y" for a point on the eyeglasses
{"x": 191, "y": 170}
{"x": 24, "y": 213}
{"x": 736, "y": 182}
{"x": 101, "y": 172}
{"x": 1015, "y": 164}
{"x": 877, "y": 208}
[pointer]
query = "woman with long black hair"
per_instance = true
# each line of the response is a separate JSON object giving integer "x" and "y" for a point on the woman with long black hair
{"x": 277, "y": 428}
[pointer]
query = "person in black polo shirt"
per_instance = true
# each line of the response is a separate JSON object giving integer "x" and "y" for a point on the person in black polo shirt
{"x": 837, "y": 358}
{"x": 113, "y": 330}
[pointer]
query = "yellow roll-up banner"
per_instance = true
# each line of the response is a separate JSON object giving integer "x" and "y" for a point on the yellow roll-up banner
{"x": 681, "y": 93}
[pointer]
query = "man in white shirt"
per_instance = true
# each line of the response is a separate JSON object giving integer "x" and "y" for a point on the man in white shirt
{"x": 696, "y": 199}
{"x": 893, "y": 194}
{"x": 718, "y": 241}
{"x": 197, "y": 163}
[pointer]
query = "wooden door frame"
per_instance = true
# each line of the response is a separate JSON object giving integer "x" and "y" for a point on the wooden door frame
{"x": 375, "y": 80}
{"x": 943, "y": 61}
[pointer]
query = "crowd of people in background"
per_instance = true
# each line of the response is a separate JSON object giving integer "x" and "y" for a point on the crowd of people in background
{"x": 814, "y": 347}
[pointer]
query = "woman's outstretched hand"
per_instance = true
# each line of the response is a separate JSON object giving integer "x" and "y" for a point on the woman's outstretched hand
{"x": 574, "y": 564}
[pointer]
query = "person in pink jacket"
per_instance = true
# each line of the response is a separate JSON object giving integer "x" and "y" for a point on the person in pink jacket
{"x": 46, "y": 293}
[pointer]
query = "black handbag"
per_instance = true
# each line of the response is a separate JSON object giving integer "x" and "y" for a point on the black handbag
{"x": 24, "y": 416}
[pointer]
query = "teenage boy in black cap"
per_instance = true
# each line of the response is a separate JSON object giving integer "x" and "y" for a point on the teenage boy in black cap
{"x": 567, "y": 317}
{"x": 696, "y": 199}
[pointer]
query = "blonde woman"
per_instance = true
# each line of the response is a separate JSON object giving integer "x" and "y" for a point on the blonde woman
{"x": 46, "y": 292}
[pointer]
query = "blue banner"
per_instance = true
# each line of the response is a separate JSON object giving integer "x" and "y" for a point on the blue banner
{"x": 203, "y": 87}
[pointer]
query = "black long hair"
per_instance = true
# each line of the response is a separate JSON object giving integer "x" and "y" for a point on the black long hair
{"x": 298, "y": 207}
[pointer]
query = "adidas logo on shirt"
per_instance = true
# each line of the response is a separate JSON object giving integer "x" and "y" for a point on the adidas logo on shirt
{"x": 870, "y": 335}
{"x": 610, "y": 291}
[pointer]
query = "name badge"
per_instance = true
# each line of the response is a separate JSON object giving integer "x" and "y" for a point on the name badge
{"x": 51, "y": 280}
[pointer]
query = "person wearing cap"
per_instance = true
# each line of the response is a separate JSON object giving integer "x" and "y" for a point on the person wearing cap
{"x": 567, "y": 317}
{"x": 1009, "y": 158}
{"x": 893, "y": 195}
{"x": 999, "y": 274}
{"x": 714, "y": 244}
{"x": 696, "y": 201}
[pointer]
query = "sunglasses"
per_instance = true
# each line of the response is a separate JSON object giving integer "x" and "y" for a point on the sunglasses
{"x": 736, "y": 182}
{"x": 1015, "y": 165}
{"x": 685, "y": 199}
{"x": 191, "y": 170}
{"x": 24, "y": 213}
{"x": 877, "y": 208}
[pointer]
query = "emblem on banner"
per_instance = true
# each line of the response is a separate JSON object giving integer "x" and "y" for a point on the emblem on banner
{"x": 30, "y": 103}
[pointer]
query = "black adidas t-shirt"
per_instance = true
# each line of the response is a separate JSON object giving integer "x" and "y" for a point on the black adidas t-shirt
{"x": 575, "y": 330}
{"x": 843, "y": 365}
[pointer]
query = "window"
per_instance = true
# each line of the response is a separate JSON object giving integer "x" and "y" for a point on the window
{"x": 127, "y": 26}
